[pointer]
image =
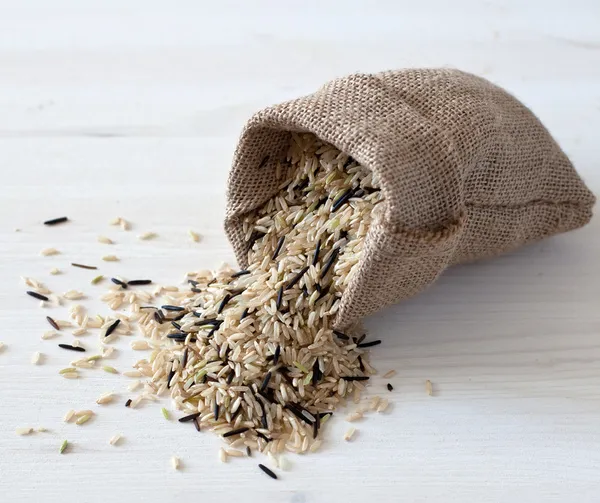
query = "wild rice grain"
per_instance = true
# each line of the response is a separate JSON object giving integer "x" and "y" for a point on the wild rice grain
{"x": 231, "y": 433}
{"x": 36, "y": 295}
{"x": 112, "y": 327}
{"x": 278, "y": 247}
{"x": 83, "y": 266}
{"x": 189, "y": 417}
{"x": 117, "y": 281}
{"x": 56, "y": 221}
{"x": 269, "y": 472}
{"x": 71, "y": 348}
{"x": 368, "y": 344}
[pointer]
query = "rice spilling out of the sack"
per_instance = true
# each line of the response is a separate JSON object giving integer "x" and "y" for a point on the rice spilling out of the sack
{"x": 255, "y": 350}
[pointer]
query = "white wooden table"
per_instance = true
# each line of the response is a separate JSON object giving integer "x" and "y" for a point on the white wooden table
{"x": 133, "y": 108}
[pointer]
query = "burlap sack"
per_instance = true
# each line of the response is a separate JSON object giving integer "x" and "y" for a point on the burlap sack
{"x": 467, "y": 172}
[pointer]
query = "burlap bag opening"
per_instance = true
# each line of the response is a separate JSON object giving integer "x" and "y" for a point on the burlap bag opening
{"x": 467, "y": 172}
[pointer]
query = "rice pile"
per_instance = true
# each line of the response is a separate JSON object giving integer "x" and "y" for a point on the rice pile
{"x": 252, "y": 354}
{"x": 255, "y": 348}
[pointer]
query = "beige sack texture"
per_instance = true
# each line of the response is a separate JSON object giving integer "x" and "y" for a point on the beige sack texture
{"x": 467, "y": 172}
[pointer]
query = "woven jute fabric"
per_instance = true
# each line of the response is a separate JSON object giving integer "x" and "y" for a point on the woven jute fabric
{"x": 467, "y": 172}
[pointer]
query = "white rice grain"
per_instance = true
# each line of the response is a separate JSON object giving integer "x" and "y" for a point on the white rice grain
{"x": 105, "y": 398}
{"x": 47, "y": 252}
{"x": 140, "y": 345}
{"x": 147, "y": 236}
{"x": 429, "y": 387}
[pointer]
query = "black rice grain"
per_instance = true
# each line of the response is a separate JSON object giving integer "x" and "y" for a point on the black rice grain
{"x": 342, "y": 199}
{"x": 191, "y": 417}
{"x": 316, "y": 425}
{"x": 316, "y": 254}
{"x": 53, "y": 323}
{"x": 117, "y": 281}
{"x": 237, "y": 431}
{"x": 112, "y": 328}
{"x": 267, "y": 471}
{"x": 390, "y": 387}
{"x": 223, "y": 303}
{"x": 168, "y": 307}
{"x": 71, "y": 348}
{"x": 368, "y": 344}
{"x": 297, "y": 278}
{"x": 56, "y": 221}
{"x": 262, "y": 435}
{"x": 82, "y": 266}
{"x": 128, "y": 402}
{"x": 265, "y": 382}
{"x": 36, "y": 295}
{"x": 184, "y": 358}
{"x": 340, "y": 335}
{"x": 276, "y": 354}
{"x": 278, "y": 247}
{"x": 333, "y": 255}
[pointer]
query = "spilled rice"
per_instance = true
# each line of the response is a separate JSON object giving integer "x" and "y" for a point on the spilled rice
{"x": 252, "y": 354}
